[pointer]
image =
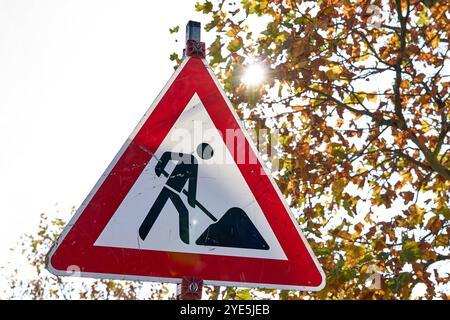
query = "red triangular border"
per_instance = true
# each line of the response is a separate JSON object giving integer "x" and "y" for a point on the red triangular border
{"x": 75, "y": 249}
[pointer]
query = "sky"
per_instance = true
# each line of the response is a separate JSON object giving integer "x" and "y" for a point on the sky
{"x": 75, "y": 79}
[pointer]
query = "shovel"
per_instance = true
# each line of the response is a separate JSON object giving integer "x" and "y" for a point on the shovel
{"x": 198, "y": 204}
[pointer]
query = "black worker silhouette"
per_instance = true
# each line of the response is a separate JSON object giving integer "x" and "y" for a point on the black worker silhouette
{"x": 234, "y": 229}
{"x": 184, "y": 172}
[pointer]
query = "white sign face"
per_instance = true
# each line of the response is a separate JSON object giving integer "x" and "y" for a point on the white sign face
{"x": 221, "y": 191}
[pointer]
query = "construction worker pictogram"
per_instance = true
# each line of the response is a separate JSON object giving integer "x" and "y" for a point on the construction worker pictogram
{"x": 234, "y": 229}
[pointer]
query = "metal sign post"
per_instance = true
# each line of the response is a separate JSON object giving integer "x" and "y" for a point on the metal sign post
{"x": 194, "y": 47}
{"x": 192, "y": 288}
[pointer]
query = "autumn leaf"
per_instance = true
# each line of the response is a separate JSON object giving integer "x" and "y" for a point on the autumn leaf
{"x": 434, "y": 225}
{"x": 408, "y": 196}
{"x": 174, "y": 29}
{"x": 416, "y": 214}
{"x": 335, "y": 72}
{"x": 338, "y": 186}
{"x": 410, "y": 251}
{"x": 235, "y": 44}
{"x": 206, "y": 7}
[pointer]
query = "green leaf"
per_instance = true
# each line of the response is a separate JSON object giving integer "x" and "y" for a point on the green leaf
{"x": 174, "y": 29}
{"x": 235, "y": 44}
{"x": 383, "y": 256}
{"x": 214, "y": 22}
{"x": 410, "y": 251}
{"x": 399, "y": 282}
{"x": 423, "y": 18}
{"x": 230, "y": 293}
{"x": 174, "y": 57}
{"x": 205, "y": 8}
{"x": 244, "y": 295}
{"x": 443, "y": 210}
{"x": 322, "y": 251}
{"x": 284, "y": 295}
{"x": 215, "y": 51}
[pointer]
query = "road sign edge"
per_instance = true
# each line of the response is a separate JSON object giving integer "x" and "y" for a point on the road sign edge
{"x": 105, "y": 174}
{"x": 112, "y": 276}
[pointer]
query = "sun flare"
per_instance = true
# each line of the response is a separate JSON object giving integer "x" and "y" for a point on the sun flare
{"x": 254, "y": 75}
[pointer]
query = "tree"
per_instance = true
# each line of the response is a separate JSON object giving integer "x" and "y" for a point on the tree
{"x": 359, "y": 92}
{"x": 33, "y": 281}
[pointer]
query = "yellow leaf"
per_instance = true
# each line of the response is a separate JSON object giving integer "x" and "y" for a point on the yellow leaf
{"x": 235, "y": 45}
{"x": 425, "y": 126}
{"x": 336, "y": 69}
{"x": 338, "y": 186}
{"x": 435, "y": 42}
{"x": 442, "y": 240}
{"x": 416, "y": 214}
{"x": 233, "y": 32}
{"x": 433, "y": 38}
{"x": 353, "y": 254}
{"x": 263, "y": 4}
{"x": 372, "y": 97}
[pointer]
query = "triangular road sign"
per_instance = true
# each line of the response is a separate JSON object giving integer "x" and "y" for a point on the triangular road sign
{"x": 180, "y": 200}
